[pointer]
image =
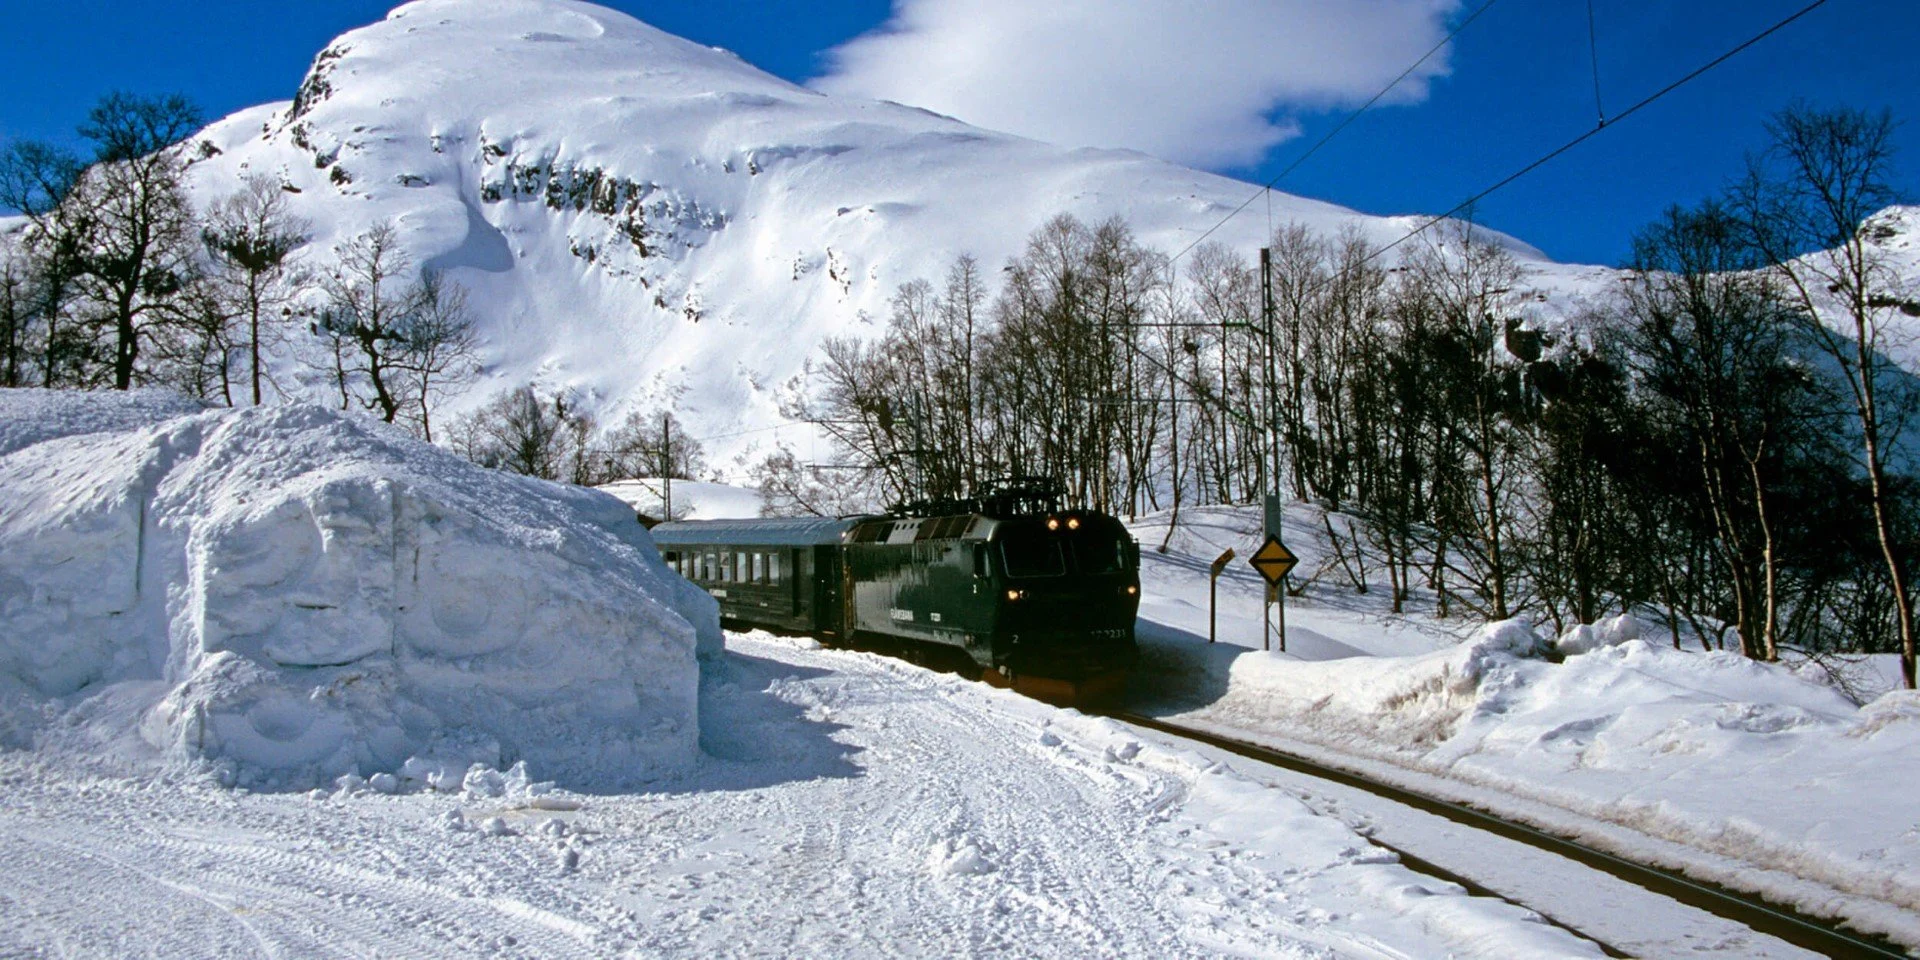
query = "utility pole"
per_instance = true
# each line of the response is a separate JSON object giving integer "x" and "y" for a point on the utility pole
{"x": 1273, "y": 512}
{"x": 1267, "y": 321}
{"x": 666, "y": 463}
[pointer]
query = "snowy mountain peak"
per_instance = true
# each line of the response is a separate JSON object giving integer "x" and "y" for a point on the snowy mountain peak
{"x": 634, "y": 214}
{"x": 521, "y": 55}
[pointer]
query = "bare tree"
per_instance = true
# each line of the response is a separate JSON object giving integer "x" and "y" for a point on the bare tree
{"x": 790, "y": 488}
{"x": 16, "y": 311}
{"x": 35, "y": 181}
{"x": 251, "y": 238}
{"x": 522, "y": 432}
{"x": 440, "y": 344}
{"x": 369, "y": 302}
{"x": 1226, "y": 293}
{"x": 136, "y": 255}
{"x": 1469, "y": 284}
{"x": 1807, "y": 202}
{"x": 960, "y": 308}
{"x": 1709, "y": 338}
{"x": 652, "y": 443}
{"x": 394, "y": 335}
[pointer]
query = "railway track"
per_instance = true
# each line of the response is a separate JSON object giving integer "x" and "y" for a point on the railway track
{"x": 1766, "y": 918}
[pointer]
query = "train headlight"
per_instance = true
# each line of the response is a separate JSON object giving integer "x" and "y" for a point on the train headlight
{"x": 1015, "y": 594}
{"x": 1073, "y": 523}
{"x": 1132, "y": 590}
{"x": 1053, "y": 523}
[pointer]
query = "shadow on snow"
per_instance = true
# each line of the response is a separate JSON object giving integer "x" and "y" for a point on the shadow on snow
{"x": 754, "y": 737}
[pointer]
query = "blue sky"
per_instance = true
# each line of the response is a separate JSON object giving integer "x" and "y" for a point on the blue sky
{"x": 1519, "y": 84}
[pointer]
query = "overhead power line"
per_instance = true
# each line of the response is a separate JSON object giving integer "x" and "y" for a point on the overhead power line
{"x": 1593, "y": 57}
{"x": 1604, "y": 123}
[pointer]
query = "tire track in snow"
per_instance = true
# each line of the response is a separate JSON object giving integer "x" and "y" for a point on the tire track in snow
{"x": 1172, "y": 900}
{"x": 292, "y": 902}
{"x": 853, "y": 807}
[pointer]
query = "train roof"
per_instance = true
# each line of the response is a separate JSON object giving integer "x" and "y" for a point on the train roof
{"x": 775, "y": 531}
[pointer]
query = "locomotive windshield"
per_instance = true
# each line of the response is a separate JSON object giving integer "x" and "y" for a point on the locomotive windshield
{"x": 1030, "y": 553}
{"x": 1097, "y": 554}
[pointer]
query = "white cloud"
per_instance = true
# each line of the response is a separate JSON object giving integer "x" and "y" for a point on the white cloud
{"x": 1204, "y": 82}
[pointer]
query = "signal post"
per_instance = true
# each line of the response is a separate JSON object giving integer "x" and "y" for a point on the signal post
{"x": 1274, "y": 561}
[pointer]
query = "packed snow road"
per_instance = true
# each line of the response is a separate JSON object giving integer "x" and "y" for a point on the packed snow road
{"x": 850, "y": 806}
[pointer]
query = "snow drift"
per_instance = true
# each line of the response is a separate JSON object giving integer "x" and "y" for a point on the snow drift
{"x": 1757, "y": 763}
{"x": 289, "y": 594}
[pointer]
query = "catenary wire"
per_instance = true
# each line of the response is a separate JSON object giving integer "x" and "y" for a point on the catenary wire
{"x": 1593, "y": 57}
{"x": 1546, "y": 158}
{"x": 1604, "y": 124}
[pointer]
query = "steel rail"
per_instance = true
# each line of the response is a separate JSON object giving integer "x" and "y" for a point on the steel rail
{"x": 1771, "y": 919}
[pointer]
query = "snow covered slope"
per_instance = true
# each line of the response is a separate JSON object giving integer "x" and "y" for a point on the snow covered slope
{"x": 291, "y": 594}
{"x": 633, "y": 211}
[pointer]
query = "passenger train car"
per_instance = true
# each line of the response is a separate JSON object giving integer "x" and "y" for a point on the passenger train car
{"x": 1021, "y": 588}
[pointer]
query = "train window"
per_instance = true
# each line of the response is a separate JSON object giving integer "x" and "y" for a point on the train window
{"x": 712, "y": 570}
{"x": 773, "y": 568}
{"x": 1030, "y": 553}
{"x": 1099, "y": 555}
{"x": 759, "y": 568}
{"x": 980, "y": 560}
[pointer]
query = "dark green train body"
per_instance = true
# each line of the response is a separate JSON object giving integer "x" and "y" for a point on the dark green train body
{"x": 1046, "y": 594}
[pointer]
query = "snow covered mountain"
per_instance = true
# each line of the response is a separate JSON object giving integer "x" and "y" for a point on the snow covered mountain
{"x": 634, "y": 213}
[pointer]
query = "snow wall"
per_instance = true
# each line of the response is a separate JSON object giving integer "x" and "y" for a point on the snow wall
{"x": 290, "y": 594}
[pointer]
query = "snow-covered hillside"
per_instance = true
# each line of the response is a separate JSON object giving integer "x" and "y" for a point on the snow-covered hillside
{"x": 634, "y": 212}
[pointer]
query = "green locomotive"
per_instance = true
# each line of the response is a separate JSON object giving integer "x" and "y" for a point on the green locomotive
{"x": 1021, "y": 587}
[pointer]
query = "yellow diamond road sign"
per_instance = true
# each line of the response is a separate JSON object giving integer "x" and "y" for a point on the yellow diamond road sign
{"x": 1273, "y": 560}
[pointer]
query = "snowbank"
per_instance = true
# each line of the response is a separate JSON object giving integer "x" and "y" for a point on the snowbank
{"x": 289, "y": 594}
{"x": 1744, "y": 760}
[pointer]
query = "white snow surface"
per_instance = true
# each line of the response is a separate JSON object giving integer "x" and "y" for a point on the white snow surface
{"x": 285, "y": 595}
{"x": 514, "y": 142}
{"x": 1756, "y": 775}
{"x": 848, "y": 805}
